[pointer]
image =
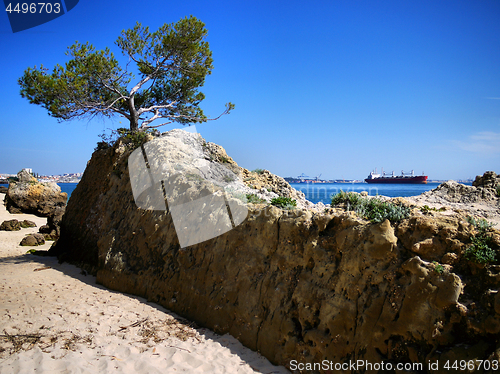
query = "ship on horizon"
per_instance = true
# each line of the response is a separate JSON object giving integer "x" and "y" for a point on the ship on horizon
{"x": 373, "y": 177}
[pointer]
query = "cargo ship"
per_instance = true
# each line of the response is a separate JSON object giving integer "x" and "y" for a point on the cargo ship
{"x": 403, "y": 178}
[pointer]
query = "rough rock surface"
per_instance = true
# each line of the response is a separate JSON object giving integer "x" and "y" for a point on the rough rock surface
{"x": 27, "y": 195}
{"x": 306, "y": 285}
{"x": 25, "y": 224}
{"x": 481, "y": 199}
{"x": 33, "y": 240}
{"x": 11, "y": 225}
{"x": 30, "y": 196}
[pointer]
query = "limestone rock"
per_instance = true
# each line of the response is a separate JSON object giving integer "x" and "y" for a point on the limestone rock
{"x": 11, "y": 225}
{"x": 24, "y": 177}
{"x": 3, "y": 189}
{"x": 482, "y": 189}
{"x": 306, "y": 285}
{"x": 488, "y": 180}
{"x": 41, "y": 199}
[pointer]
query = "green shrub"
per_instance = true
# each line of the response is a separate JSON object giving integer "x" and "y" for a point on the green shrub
{"x": 349, "y": 198}
{"x": 480, "y": 250}
{"x": 282, "y": 202}
{"x": 254, "y": 199}
{"x": 258, "y": 171}
{"x": 371, "y": 209}
{"x": 228, "y": 178}
{"x": 134, "y": 138}
{"x": 102, "y": 145}
{"x": 480, "y": 224}
{"x": 426, "y": 209}
{"x": 498, "y": 191}
{"x": 438, "y": 268}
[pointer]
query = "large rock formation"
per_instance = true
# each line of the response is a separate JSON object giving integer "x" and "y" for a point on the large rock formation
{"x": 27, "y": 195}
{"x": 481, "y": 199}
{"x": 306, "y": 285}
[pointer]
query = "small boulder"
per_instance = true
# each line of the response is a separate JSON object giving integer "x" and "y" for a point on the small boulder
{"x": 11, "y": 225}
{"x": 33, "y": 240}
{"x": 29, "y": 196}
{"x": 25, "y": 224}
{"x": 3, "y": 189}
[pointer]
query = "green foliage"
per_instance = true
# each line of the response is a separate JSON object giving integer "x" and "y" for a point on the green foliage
{"x": 480, "y": 224}
{"x": 102, "y": 145}
{"x": 498, "y": 191}
{"x": 172, "y": 62}
{"x": 224, "y": 160}
{"x": 372, "y": 209}
{"x": 133, "y": 138}
{"x": 427, "y": 209}
{"x": 349, "y": 198}
{"x": 438, "y": 268}
{"x": 228, "y": 178}
{"x": 283, "y": 202}
{"x": 480, "y": 250}
{"x": 254, "y": 199}
{"x": 136, "y": 138}
{"x": 258, "y": 171}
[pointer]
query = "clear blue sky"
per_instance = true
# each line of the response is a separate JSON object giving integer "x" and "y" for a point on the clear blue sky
{"x": 330, "y": 87}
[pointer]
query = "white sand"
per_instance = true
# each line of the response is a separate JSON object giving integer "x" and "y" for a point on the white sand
{"x": 54, "y": 319}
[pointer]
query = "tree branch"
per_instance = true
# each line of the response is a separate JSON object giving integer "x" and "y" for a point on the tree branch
{"x": 156, "y": 107}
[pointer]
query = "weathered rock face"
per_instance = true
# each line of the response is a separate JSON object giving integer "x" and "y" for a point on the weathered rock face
{"x": 27, "y": 195}
{"x": 484, "y": 188}
{"x": 11, "y": 225}
{"x": 480, "y": 199}
{"x": 33, "y": 240}
{"x": 299, "y": 285}
{"x": 488, "y": 180}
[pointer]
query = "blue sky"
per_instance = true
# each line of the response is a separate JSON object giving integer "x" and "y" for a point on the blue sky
{"x": 329, "y": 87}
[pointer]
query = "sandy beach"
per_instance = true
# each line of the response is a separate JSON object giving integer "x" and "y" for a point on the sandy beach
{"x": 54, "y": 318}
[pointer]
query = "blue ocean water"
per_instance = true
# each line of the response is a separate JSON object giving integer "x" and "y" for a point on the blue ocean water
{"x": 67, "y": 187}
{"x": 316, "y": 192}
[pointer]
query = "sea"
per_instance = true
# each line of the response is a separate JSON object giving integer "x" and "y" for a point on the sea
{"x": 323, "y": 192}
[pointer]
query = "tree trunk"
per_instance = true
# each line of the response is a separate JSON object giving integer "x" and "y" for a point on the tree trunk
{"x": 134, "y": 118}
